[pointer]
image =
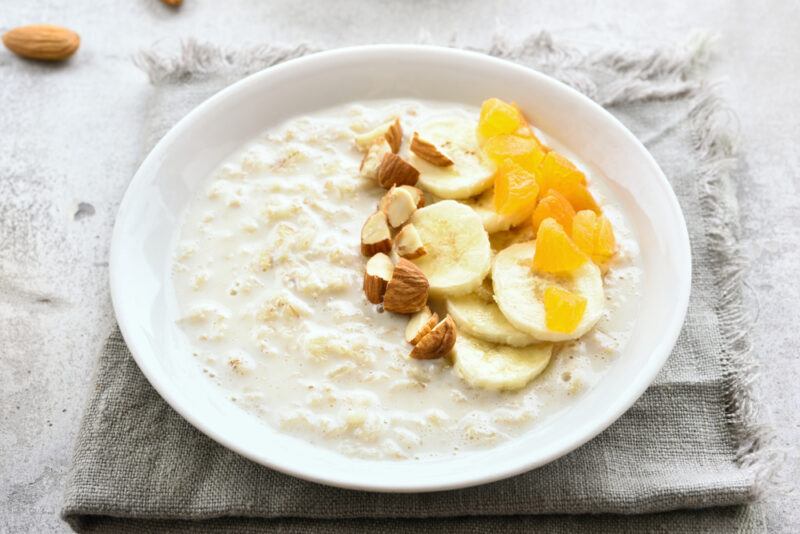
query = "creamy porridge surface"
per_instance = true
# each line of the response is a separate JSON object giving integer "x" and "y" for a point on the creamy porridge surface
{"x": 268, "y": 276}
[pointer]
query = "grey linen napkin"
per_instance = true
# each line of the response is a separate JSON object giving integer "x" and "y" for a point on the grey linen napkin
{"x": 691, "y": 442}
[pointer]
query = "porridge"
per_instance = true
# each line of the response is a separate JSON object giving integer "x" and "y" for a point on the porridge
{"x": 438, "y": 325}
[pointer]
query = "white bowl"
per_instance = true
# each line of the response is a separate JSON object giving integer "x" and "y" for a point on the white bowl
{"x": 148, "y": 219}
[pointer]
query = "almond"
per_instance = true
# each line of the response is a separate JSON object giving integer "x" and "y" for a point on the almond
{"x": 44, "y": 42}
{"x": 391, "y": 131}
{"x": 436, "y": 343}
{"x": 419, "y": 197}
{"x": 417, "y": 194}
{"x": 428, "y": 151}
{"x": 376, "y": 235}
{"x": 394, "y": 170}
{"x": 394, "y": 135}
{"x": 420, "y": 324}
{"x": 173, "y": 3}
{"x": 408, "y": 244}
{"x": 376, "y": 277}
{"x": 373, "y": 158}
{"x": 407, "y": 291}
{"x": 399, "y": 206}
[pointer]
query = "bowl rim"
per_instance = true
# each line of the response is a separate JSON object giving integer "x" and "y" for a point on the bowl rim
{"x": 657, "y": 357}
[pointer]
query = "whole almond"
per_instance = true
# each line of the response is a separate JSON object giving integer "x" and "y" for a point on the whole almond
{"x": 173, "y": 3}
{"x": 43, "y": 42}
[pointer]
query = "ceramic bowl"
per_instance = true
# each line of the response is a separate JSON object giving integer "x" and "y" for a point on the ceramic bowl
{"x": 148, "y": 222}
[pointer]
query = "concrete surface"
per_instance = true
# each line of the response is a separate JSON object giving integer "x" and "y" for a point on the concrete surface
{"x": 61, "y": 178}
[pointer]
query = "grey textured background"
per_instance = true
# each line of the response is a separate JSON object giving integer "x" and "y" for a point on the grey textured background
{"x": 69, "y": 135}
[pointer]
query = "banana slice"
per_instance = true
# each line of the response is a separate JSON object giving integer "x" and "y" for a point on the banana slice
{"x": 498, "y": 367}
{"x": 518, "y": 292}
{"x": 485, "y": 321}
{"x": 471, "y": 172}
{"x": 458, "y": 255}
{"x": 495, "y": 222}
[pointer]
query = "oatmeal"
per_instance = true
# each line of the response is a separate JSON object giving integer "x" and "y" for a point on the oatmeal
{"x": 269, "y": 267}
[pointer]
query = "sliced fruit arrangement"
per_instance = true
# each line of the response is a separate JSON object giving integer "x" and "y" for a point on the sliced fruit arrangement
{"x": 450, "y": 138}
{"x": 494, "y": 222}
{"x": 483, "y": 319}
{"x": 506, "y": 298}
{"x": 519, "y": 292}
{"x": 458, "y": 255}
{"x": 499, "y": 367}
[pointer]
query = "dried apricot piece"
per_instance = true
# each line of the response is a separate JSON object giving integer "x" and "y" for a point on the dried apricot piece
{"x": 563, "y": 310}
{"x": 498, "y": 117}
{"x": 525, "y": 151}
{"x": 554, "y": 205}
{"x": 594, "y": 235}
{"x": 555, "y": 252}
{"x": 514, "y": 188}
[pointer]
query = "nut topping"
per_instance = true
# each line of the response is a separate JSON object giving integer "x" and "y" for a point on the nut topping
{"x": 373, "y": 158}
{"x": 399, "y": 206}
{"x": 375, "y": 235}
{"x": 428, "y": 151}
{"x": 436, "y": 343}
{"x": 391, "y": 131}
{"x": 420, "y": 324}
{"x": 394, "y": 170}
{"x": 376, "y": 277}
{"x": 407, "y": 291}
{"x": 408, "y": 244}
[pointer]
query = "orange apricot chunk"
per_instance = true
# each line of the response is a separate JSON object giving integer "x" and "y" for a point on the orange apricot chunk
{"x": 555, "y": 206}
{"x": 524, "y": 151}
{"x": 563, "y": 310}
{"x": 594, "y": 235}
{"x": 514, "y": 188}
{"x": 498, "y": 117}
{"x": 555, "y": 252}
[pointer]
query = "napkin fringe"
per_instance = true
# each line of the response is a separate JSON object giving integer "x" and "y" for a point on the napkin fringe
{"x": 614, "y": 76}
{"x": 198, "y": 59}
{"x": 715, "y": 130}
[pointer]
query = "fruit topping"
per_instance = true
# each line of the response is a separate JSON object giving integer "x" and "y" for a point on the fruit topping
{"x": 563, "y": 309}
{"x": 514, "y": 188}
{"x": 555, "y": 251}
{"x": 554, "y": 206}
{"x": 594, "y": 235}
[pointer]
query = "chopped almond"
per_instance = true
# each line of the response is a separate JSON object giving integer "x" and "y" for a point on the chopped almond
{"x": 394, "y": 170}
{"x": 407, "y": 291}
{"x": 416, "y": 192}
{"x": 373, "y": 158}
{"x": 420, "y": 324}
{"x": 399, "y": 206}
{"x": 376, "y": 235}
{"x": 391, "y": 131}
{"x": 408, "y": 244}
{"x": 376, "y": 277}
{"x": 428, "y": 151}
{"x": 436, "y": 343}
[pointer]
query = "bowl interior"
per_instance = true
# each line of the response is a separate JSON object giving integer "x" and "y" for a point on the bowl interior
{"x": 149, "y": 216}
